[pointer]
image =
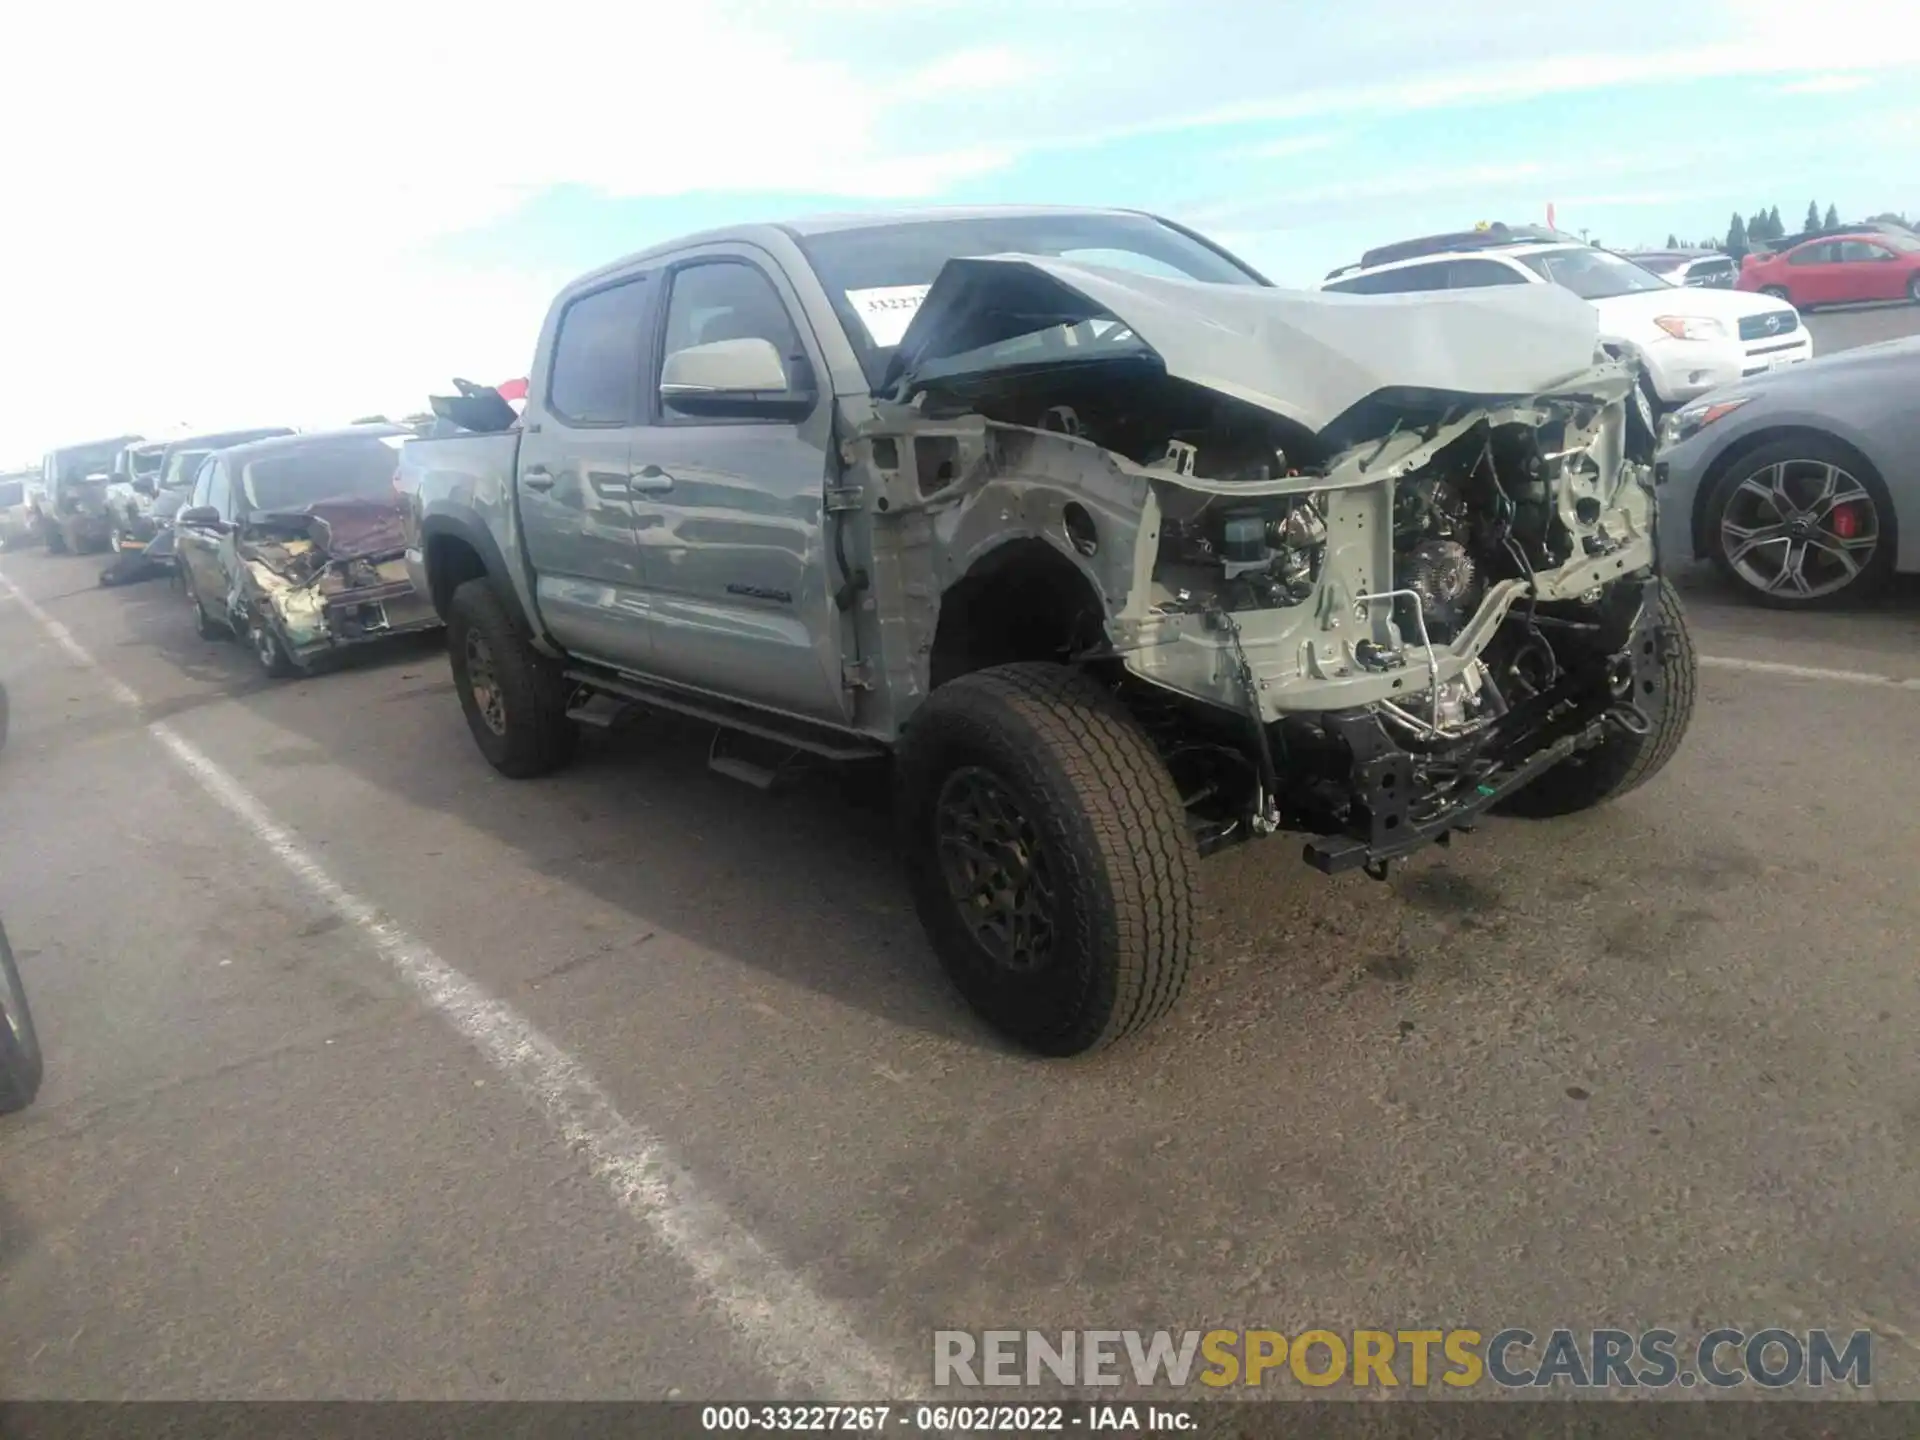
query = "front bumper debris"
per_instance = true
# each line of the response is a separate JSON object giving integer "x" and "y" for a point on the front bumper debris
{"x": 1391, "y": 811}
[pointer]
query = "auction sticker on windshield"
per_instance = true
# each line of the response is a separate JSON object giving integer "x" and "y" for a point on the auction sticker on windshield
{"x": 887, "y": 310}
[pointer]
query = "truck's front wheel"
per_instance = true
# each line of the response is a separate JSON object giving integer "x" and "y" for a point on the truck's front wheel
{"x": 515, "y": 698}
{"x": 1049, "y": 856}
{"x": 1624, "y": 760}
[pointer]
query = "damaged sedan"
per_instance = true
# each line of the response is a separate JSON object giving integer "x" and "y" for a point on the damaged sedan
{"x": 1118, "y": 553}
{"x": 294, "y": 545}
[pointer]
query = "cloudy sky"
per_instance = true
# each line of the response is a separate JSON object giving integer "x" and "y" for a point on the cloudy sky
{"x": 232, "y": 214}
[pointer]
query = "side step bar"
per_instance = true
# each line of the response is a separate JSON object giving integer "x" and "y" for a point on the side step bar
{"x": 819, "y": 740}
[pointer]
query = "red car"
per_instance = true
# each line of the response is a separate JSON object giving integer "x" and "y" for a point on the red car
{"x": 1836, "y": 269}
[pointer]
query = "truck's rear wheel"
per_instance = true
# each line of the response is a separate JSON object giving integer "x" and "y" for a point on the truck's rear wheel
{"x": 1049, "y": 856}
{"x": 514, "y": 697}
{"x": 1625, "y": 761}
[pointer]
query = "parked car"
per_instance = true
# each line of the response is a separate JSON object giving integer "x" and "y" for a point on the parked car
{"x": 17, "y": 524}
{"x": 1702, "y": 269}
{"x": 1119, "y": 553}
{"x": 179, "y": 462}
{"x": 71, "y": 507}
{"x": 1802, "y": 486}
{"x": 1838, "y": 270}
{"x": 1686, "y": 341}
{"x": 295, "y": 545}
{"x": 132, "y": 484}
{"x": 1827, "y": 232}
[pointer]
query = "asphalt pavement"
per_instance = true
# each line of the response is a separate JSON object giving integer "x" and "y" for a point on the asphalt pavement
{"x": 373, "y": 1074}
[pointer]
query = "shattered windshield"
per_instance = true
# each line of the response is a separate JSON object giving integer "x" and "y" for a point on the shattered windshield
{"x": 357, "y": 470}
{"x": 1592, "y": 274}
{"x": 876, "y": 275}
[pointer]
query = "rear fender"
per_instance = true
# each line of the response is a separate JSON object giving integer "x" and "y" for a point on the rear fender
{"x": 481, "y": 542}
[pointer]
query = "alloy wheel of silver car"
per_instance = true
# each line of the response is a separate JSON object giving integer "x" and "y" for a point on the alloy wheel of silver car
{"x": 1799, "y": 529}
{"x": 484, "y": 683}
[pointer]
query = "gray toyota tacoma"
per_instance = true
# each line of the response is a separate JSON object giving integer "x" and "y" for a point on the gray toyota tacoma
{"x": 1119, "y": 553}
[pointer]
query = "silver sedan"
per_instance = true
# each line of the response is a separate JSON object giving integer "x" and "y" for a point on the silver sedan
{"x": 1803, "y": 484}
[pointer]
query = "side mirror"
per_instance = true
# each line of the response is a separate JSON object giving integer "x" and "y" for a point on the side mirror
{"x": 145, "y": 486}
{"x": 733, "y": 379}
{"x": 198, "y": 517}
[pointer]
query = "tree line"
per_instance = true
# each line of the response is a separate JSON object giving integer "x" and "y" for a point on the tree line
{"x": 1748, "y": 232}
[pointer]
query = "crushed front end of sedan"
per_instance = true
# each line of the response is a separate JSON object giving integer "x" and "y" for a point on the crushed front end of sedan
{"x": 323, "y": 578}
{"x": 1362, "y": 567}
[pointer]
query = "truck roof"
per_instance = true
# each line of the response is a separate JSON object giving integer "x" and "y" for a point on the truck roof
{"x": 762, "y": 232}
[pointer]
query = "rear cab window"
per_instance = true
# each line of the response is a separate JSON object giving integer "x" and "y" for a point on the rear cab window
{"x": 599, "y": 354}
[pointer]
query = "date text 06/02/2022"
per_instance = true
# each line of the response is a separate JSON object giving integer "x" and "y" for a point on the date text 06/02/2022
{"x": 970, "y": 1419}
{"x": 1512, "y": 1358}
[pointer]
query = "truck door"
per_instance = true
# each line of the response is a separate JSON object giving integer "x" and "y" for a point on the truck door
{"x": 729, "y": 512}
{"x": 573, "y": 475}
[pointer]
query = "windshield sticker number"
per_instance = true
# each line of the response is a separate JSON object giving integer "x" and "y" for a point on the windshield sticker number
{"x": 887, "y": 310}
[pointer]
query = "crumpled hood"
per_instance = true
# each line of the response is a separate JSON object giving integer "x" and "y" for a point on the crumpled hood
{"x": 1308, "y": 356}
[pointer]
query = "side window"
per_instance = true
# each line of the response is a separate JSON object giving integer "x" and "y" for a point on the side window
{"x": 728, "y": 300}
{"x": 1851, "y": 250}
{"x": 1412, "y": 279}
{"x": 1405, "y": 280}
{"x": 202, "y": 486}
{"x": 595, "y": 375}
{"x": 1812, "y": 255}
{"x": 1473, "y": 274}
{"x": 219, "y": 489}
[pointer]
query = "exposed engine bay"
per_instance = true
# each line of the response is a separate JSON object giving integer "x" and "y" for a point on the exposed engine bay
{"x": 1365, "y": 568}
{"x": 331, "y": 575}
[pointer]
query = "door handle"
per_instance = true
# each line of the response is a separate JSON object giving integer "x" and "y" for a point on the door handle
{"x": 650, "y": 480}
{"x": 537, "y": 479}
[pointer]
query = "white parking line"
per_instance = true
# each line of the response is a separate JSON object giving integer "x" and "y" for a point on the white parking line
{"x": 1808, "y": 672}
{"x": 797, "y": 1336}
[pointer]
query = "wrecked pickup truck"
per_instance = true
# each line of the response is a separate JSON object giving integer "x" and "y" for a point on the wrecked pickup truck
{"x": 295, "y": 545}
{"x": 1119, "y": 553}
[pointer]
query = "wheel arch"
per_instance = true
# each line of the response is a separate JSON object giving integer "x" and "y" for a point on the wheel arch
{"x": 455, "y": 551}
{"x": 1021, "y": 600}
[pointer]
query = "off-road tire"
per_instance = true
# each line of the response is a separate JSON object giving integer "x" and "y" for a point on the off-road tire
{"x": 20, "y": 1064}
{"x": 538, "y": 738}
{"x": 1113, "y": 832}
{"x": 1623, "y": 761}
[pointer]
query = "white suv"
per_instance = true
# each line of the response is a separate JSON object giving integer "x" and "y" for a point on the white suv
{"x": 1688, "y": 340}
